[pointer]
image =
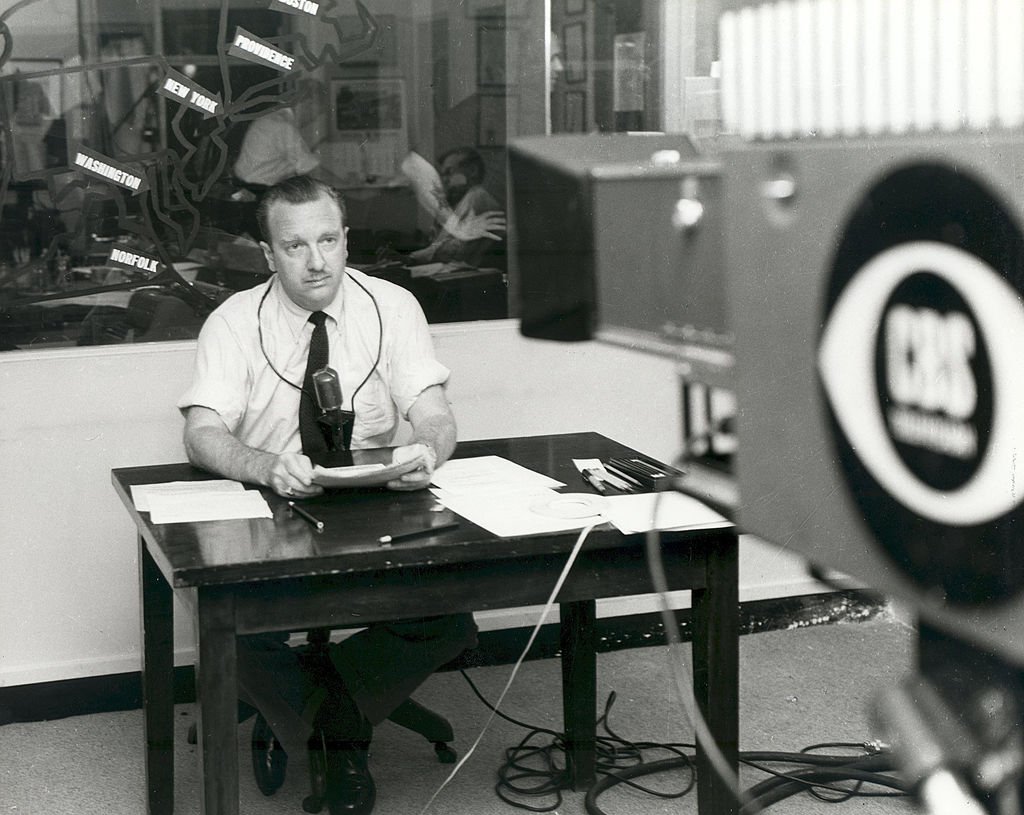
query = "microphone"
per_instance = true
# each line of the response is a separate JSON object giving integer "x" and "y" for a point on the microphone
{"x": 328, "y": 390}
{"x": 328, "y": 397}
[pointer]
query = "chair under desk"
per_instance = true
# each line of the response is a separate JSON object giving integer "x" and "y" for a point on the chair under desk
{"x": 255, "y": 575}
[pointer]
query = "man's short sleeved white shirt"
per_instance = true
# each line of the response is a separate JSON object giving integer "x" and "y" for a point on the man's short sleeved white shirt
{"x": 235, "y": 377}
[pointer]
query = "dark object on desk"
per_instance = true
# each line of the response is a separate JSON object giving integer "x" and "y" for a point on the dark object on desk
{"x": 642, "y": 471}
{"x": 317, "y": 523}
{"x": 594, "y": 481}
{"x": 415, "y": 534}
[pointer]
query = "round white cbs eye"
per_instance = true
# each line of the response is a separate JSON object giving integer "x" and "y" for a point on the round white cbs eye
{"x": 848, "y": 363}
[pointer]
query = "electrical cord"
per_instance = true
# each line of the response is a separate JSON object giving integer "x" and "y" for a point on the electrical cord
{"x": 533, "y": 769}
{"x": 684, "y": 692}
{"x": 818, "y": 776}
{"x": 539, "y": 764}
{"x": 871, "y": 769}
{"x": 782, "y": 785}
{"x": 576, "y": 549}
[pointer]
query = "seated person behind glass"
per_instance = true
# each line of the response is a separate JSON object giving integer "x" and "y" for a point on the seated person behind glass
{"x": 274, "y": 149}
{"x": 467, "y": 217}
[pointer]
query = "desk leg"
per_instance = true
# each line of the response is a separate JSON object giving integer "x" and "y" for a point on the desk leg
{"x": 217, "y": 700}
{"x": 716, "y": 671}
{"x": 157, "y": 622}
{"x": 579, "y": 690}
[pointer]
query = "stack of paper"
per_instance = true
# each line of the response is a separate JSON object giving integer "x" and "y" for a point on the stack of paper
{"x": 661, "y": 510}
{"x": 507, "y": 500}
{"x": 192, "y": 501}
{"x": 464, "y": 476}
{"x": 502, "y": 496}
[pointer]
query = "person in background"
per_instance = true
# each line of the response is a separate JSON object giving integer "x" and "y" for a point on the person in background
{"x": 242, "y": 421}
{"x": 273, "y": 146}
{"x": 467, "y": 218}
{"x": 273, "y": 149}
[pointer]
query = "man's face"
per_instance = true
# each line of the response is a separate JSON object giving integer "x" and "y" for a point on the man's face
{"x": 453, "y": 177}
{"x": 307, "y": 250}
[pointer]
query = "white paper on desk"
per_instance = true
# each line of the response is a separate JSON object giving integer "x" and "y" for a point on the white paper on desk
{"x": 213, "y": 506}
{"x": 510, "y": 514}
{"x": 141, "y": 493}
{"x": 363, "y": 475}
{"x": 488, "y": 474}
{"x": 634, "y": 513}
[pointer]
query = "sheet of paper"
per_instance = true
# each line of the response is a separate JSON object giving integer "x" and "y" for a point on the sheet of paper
{"x": 635, "y": 513}
{"x": 364, "y": 475}
{"x": 141, "y": 492}
{"x": 520, "y": 513}
{"x": 213, "y": 506}
{"x": 488, "y": 474}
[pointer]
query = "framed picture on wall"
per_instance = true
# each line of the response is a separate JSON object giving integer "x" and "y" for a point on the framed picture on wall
{"x": 491, "y": 45}
{"x": 575, "y": 112}
{"x": 367, "y": 105}
{"x": 574, "y": 44}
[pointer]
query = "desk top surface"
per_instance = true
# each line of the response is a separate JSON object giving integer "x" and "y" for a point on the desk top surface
{"x": 286, "y": 546}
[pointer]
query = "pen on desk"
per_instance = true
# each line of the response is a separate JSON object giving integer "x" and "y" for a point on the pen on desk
{"x": 594, "y": 481}
{"x": 385, "y": 540}
{"x": 303, "y": 513}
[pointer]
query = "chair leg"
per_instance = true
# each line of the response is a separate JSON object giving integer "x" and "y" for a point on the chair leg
{"x": 432, "y": 726}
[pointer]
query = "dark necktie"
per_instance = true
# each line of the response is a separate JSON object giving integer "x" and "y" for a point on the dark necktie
{"x": 310, "y": 430}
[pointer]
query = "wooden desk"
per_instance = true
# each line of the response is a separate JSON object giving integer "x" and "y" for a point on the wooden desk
{"x": 244, "y": 577}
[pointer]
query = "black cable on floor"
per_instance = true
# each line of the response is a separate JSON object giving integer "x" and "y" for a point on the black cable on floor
{"x": 535, "y": 769}
{"x": 870, "y": 770}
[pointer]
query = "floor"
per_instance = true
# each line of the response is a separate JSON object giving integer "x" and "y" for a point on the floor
{"x": 798, "y": 687}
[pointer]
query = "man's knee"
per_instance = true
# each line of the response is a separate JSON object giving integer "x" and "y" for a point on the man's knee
{"x": 456, "y": 630}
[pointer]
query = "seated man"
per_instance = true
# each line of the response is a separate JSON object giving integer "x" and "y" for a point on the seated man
{"x": 249, "y": 415}
{"x": 273, "y": 149}
{"x": 466, "y": 216}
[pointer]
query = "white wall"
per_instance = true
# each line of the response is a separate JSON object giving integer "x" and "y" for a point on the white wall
{"x": 68, "y": 566}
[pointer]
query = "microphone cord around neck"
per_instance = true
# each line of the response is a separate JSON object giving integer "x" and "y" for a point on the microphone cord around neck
{"x": 299, "y": 388}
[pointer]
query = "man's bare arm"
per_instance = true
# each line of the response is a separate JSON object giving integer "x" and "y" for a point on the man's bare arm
{"x": 433, "y": 438}
{"x": 210, "y": 445}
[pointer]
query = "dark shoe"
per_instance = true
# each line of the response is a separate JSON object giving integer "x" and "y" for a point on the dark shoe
{"x": 338, "y": 758}
{"x": 350, "y": 788}
{"x": 340, "y": 778}
{"x": 269, "y": 760}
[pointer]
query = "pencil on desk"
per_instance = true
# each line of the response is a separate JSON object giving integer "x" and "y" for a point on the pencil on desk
{"x": 304, "y": 514}
{"x": 386, "y": 540}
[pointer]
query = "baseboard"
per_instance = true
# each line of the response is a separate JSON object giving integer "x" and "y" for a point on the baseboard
{"x": 113, "y": 692}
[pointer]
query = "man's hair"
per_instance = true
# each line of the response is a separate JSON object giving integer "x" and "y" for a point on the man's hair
{"x": 299, "y": 189}
{"x": 470, "y": 162}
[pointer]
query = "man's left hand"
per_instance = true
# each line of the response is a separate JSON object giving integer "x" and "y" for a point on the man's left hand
{"x": 420, "y": 477}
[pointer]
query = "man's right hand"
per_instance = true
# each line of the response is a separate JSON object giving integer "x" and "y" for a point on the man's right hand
{"x": 476, "y": 225}
{"x": 291, "y": 476}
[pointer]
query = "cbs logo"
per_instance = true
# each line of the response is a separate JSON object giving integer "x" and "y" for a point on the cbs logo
{"x": 920, "y": 364}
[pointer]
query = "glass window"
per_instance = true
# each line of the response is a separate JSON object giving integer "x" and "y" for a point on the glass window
{"x": 137, "y": 135}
